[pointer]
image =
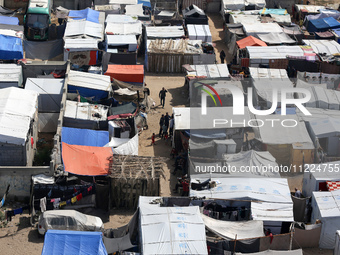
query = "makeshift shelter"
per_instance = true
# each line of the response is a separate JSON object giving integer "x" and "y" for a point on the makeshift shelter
{"x": 292, "y": 146}
{"x": 73, "y": 242}
{"x": 255, "y": 29}
{"x": 86, "y": 160}
{"x": 18, "y": 129}
{"x": 90, "y": 85}
{"x": 323, "y": 47}
{"x": 49, "y": 101}
{"x": 127, "y": 73}
{"x": 268, "y": 73}
{"x": 303, "y": 10}
{"x": 336, "y": 33}
{"x": 332, "y": 80}
{"x": 327, "y": 132}
{"x": 9, "y": 20}
{"x": 169, "y": 55}
{"x": 315, "y": 180}
{"x": 294, "y": 32}
{"x": 11, "y": 48}
{"x": 132, "y": 177}
{"x": 171, "y": 230}
{"x": 326, "y": 208}
{"x": 323, "y": 98}
{"x": 124, "y": 28}
{"x": 199, "y": 32}
{"x": 86, "y": 137}
{"x": 86, "y": 14}
{"x": 323, "y": 25}
{"x": 10, "y": 75}
{"x": 85, "y": 115}
{"x": 276, "y": 38}
{"x": 250, "y": 41}
{"x": 165, "y": 32}
{"x": 243, "y": 5}
{"x": 194, "y": 15}
{"x": 108, "y": 9}
{"x": 244, "y": 18}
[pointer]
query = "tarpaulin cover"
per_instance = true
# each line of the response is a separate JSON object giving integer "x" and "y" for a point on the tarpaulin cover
{"x": 11, "y": 48}
{"x": 121, "y": 109}
{"x": 277, "y": 212}
{"x": 129, "y": 148}
{"x": 324, "y": 14}
{"x": 87, "y": 137}
{"x": 62, "y": 242}
{"x": 322, "y": 25}
{"x": 87, "y": 14}
{"x": 86, "y": 160}
{"x": 266, "y": 11}
{"x": 171, "y": 230}
{"x": 276, "y": 38}
{"x": 43, "y": 50}
{"x": 9, "y": 20}
{"x": 126, "y": 73}
{"x": 145, "y": 3}
{"x": 229, "y": 229}
{"x": 250, "y": 41}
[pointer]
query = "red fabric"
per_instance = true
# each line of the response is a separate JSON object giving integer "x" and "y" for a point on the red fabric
{"x": 32, "y": 141}
{"x": 185, "y": 185}
{"x": 323, "y": 186}
{"x": 79, "y": 197}
{"x": 245, "y": 62}
{"x": 93, "y": 58}
{"x": 333, "y": 185}
{"x": 121, "y": 116}
{"x": 126, "y": 73}
{"x": 250, "y": 41}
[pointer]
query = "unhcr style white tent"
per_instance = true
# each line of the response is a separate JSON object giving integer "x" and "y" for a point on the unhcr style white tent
{"x": 171, "y": 230}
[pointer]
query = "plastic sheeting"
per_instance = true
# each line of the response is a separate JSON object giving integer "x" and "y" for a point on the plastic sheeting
{"x": 268, "y": 73}
{"x": 250, "y": 41}
{"x": 87, "y": 14}
{"x": 275, "y": 190}
{"x": 165, "y": 32}
{"x": 327, "y": 47}
{"x": 209, "y": 71}
{"x": 11, "y": 48}
{"x": 277, "y": 212}
{"x": 241, "y": 4}
{"x": 131, "y": 28}
{"x": 87, "y": 137}
{"x": 42, "y": 179}
{"x": 199, "y": 32}
{"x": 126, "y": 73}
{"x": 86, "y": 160}
{"x": 261, "y": 28}
{"x": 323, "y": 98}
{"x": 324, "y": 14}
{"x": 171, "y": 230}
{"x": 325, "y": 127}
{"x": 326, "y": 207}
{"x": 9, "y": 20}
{"x": 322, "y": 25}
{"x": 230, "y": 229}
{"x": 73, "y": 242}
{"x": 129, "y": 148}
{"x": 276, "y": 38}
{"x": 43, "y": 50}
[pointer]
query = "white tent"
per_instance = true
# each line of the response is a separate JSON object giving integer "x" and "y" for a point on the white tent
{"x": 171, "y": 230}
{"x": 261, "y": 28}
{"x": 317, "y": 113}
{"x": 119, "y": 28}
{"x": 89, "y": 80}
{"x": 241, "y": 4}
{"x": 244, "y": 19}
{"x": 113, "y": 41}
{"x": 258, "y": 73}
{"x": 323, "y": 98}
{"x": 128, "y": 148}
{"x": 10, "y": 75}
{"x": 164, "y": 32}
{"x": 199, "y": 32}
{"x": 209, "y": 71}
{"x": 326, "y": 207}
{"x": 317, "y": 174}
{"x": 332, "y": 80}
{"x": 84, "y": 29}
{"x": 329, "y": 47}
{"x": 276, "y": 38}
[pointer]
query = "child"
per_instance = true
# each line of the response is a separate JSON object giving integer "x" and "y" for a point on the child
{"x": 153, "y": 139}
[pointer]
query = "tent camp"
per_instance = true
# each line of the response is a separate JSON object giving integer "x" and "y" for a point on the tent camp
{"x": 127, "y": 73}
{"x": 10, "y": 75}
{"x": 267, "y": 73}
{"x": 250, "y": 41}
{"x": 292, "y": 146}
{"x": 73, "y": 242}
{"x": 315, "y": 180}
{"x": 171, "y": 230}
{"x": 332, "y": 80}
{"x": 326, "y": 208}
{"x": 322, "y": 25}
{"x": 18, "y": 129}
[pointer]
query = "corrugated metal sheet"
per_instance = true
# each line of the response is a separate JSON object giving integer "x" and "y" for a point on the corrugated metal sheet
{"x": 10, "y": 73}
{"x": 89, "y": 80}
{"x": 134, "y": 28}
{"x": 164, "y": 32}
{"x": 89, "y": 44}
{"x": 82, "y": 28}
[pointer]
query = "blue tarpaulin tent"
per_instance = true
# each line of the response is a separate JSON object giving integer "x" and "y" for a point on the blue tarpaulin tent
{"x": 87, "y": 14}
{"x": 10, "y": 48}
{"x": 322, "y": 25}
{"x": 145, "y": 3}
{"x": 87, "y": 137}
{"x": 9, "y": 20}
{"x": 62, "y": 242}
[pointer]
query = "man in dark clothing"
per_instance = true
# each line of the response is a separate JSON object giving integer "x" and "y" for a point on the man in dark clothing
{"x": 161, "y": 122}
{"x": 167, "y": 120}
{"x": 222, "y": 56}
{"x": 162, "y": 95}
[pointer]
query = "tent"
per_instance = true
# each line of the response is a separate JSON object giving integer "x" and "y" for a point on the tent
{"x": 115, "y": 43}
{"x": 199, "y": 32}
{"x": 322, "y": 25}
{"x": 87, "y": 137}
{"x": 171, "y": 230}
{"x": 243, "y": 4}
{"x": 9, "y": 20}
{"x": 10, "y": 75}
{"x": 123, "y": 109}
{"x": 86, "y": 160}
{"x": 11, "y": 48}
{"x": 73, "y": 242}
{"x": 194, "y": 15}
{"x": 121, "y": 28}
{"x": 276, "y": 38}
{"x": 327, "y": 47}
{"x": 90, "y": 85}
{"x": 267, "y": 73}
{"x": 326, "y": 208}
{"x": 332, "y": 80}
{"x": 209, "y": 71}
{"x": 315, "y": 180}
{"x": 244, "y": 19}
{"x": 165, "y": 32}
{"x": 86, "y": 14}
{"x": 127, "y": 73}
{"x": 323, "y": 98}
{"x": 250, "y": 41}
{"x": 255, "y": 29}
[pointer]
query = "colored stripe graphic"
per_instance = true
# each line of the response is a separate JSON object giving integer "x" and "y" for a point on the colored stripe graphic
{"x": 213, "y": 90}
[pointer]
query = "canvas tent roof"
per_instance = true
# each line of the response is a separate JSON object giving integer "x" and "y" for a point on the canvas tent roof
{"x": 84, "y": 29}
{"x": 209, "y": 71}
{"x": 309, "y": 8}
{"x": 324, "y": 14}
{"x": 229, "y": 229}
{"x": 199, "y": 32}
{"x": 261, "y": 28}
{"x": 121, "y": 40}
{"x": 268, "y": 73}
{"x": 73, "y": 242}
{"x": 250, "y": 41}
{"x": 288, "y": 135}
{"x": 164, "y": 32}
{"x": 86, "y": 137}
{"x": 11, "y": 73}
{"x": 322, "y": 25}
{"x": 131, "y": 28}
{"x": 274, "y": 52}
{"x": 17, "y": 108}
{"x": 276, "y": 38}
{"x": 325, "y": 127}
{"x": 326, "y": 207}
{"x": 86, "y": 14}
{"x": 174, "y": 46}
{"x": 241, "y": 4}
{"x": 323, "y": 46}
{"x": 81, "y": 44}
{"x": 244, "y": 18}
{"x": 119, "y": 18}
{"x": 85, "y": 111}
{"x": 274, "y": 190}
{"x": 86, "y": 160}
{"x": 317, "y": 113}
{"x": 126, "y": 73}
{"x": 184, "y": 116}
{"x": 89, "y": 80}
{"x": 171, "y": 230}
{"x": 323, "y": 98}
{"x": 282, "y": 212}
{"x": 193, "y": 10}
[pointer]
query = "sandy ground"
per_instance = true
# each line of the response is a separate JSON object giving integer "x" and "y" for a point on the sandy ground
{"x": 20, "y": 238}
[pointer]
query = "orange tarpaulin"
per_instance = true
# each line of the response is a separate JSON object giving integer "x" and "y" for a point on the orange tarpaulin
{"x": 86, "y": 160}
{"x": 127, "y": 73}
{"x": 250, "y": 41}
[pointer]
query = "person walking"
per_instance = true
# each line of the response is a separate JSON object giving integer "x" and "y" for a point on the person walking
{"x": 167, "y": 121}
{"x": 171, "y": 126}
{"x": 153, "y": 139}
{"x": 222, "y": 56}
{"x": 161, "y": 123}
{"x": 162, "y": 95}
